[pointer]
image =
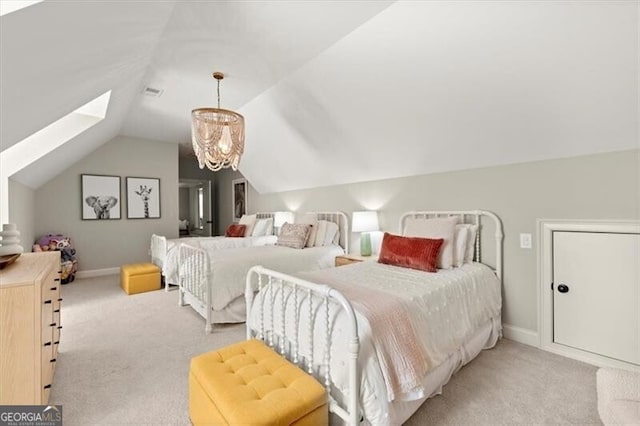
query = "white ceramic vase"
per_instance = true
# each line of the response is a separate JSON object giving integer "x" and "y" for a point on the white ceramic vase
{"x": 9, "y": 240}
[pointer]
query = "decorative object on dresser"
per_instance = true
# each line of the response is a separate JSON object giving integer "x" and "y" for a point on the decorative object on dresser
{"x": 217, "y": 135}
{"x": 10, "y": 249}
{"x": 100, "y": 197}
{"x": 143, "y": 198}
{"x": 365, "y": 222}
{"x": 29, "y": 328}
{"x": 347, "y": 259}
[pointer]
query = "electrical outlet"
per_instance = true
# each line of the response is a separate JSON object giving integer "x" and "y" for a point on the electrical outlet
{"x": 525, "y": 241}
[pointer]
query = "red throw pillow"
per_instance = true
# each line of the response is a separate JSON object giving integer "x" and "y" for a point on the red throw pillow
{"x": 235, "y": 230}
{"x": 410, "y": 252}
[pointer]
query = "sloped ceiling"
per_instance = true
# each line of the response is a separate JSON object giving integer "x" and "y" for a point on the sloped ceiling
{"x": 332, "y": 92}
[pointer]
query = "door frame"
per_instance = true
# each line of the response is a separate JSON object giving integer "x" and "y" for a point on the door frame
{"x": 546, "y": 228}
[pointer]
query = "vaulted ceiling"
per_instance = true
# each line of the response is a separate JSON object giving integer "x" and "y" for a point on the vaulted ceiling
{"x": 332, "y": 92}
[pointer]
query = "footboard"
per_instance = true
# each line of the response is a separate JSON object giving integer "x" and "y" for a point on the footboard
{"x": 158, "y": 250}
{"x": 285, "y": 302}
{"x": 194, "y": 288}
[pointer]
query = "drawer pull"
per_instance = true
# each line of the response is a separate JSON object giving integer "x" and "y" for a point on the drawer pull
{"x": 57, "y": 310}
{"x": 56, "y": 279}
{"x": 59, "y": 327}
{"x": 47, "y": 302}
{"x": 47, "y": 344}
{"x": 52, "y": 360}
{"x": 53, "y": 324}
{"x": 60, "y": 300}
{"x": 56, "y": 343}
{"x": 47, "y": 386}
{"x": 53, "y": 288}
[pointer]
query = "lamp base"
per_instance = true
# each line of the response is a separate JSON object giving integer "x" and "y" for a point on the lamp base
{"x": 365, "y": 244}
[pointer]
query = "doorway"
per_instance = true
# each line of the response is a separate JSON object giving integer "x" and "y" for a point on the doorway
{"x": 194, "y": 208}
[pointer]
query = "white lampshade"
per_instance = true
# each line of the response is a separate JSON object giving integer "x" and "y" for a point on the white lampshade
{"x": 280, "y": 218}
{"x": 366, "y": 221}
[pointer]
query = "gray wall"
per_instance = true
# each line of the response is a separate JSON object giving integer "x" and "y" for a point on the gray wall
{"x": 22, "y": 208}
{"x": 223, "y": 205}
{"x": 184, "y": 209}
{"x": 111, "y": 243}
{"x": 604, "y": 186}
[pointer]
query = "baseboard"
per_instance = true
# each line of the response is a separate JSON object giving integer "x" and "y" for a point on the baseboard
{"x": 97, "y": 272}
{"x": 520, "y": 335}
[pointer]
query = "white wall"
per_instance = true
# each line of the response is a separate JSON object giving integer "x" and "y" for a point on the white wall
{"x": 22, "y": 212}
{"x": 603, "y": 186}
{"x": 103, "y": 244}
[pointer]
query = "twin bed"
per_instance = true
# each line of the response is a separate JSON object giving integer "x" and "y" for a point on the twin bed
{"x": 382, "y": 338}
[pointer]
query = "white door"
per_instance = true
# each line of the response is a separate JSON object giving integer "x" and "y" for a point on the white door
{"x": 596, "y": 295}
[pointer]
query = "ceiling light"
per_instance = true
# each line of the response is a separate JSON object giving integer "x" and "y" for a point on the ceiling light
{"x": 217, "y": 135}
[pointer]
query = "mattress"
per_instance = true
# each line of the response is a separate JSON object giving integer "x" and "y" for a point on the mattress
{"x": 447, "y": 310}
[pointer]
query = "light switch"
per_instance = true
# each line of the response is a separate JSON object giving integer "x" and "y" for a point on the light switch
{"x": 525, "y": 241}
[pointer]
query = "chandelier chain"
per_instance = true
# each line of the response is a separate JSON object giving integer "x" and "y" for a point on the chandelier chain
{"x": 218, "y": 94}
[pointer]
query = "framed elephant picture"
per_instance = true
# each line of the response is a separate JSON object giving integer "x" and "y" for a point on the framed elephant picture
{"x": 143, "y": 198}
{"x": 100, "y": 197}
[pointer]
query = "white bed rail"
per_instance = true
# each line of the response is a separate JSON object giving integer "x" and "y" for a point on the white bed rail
{"x": 272, "y": 286}
{"x": 471, "y": 217}
{"x": 193, "y": 286}
{"x": 158, "y": 250}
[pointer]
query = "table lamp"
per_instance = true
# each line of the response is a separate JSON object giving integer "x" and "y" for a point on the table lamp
{"x": 365, "y": 222}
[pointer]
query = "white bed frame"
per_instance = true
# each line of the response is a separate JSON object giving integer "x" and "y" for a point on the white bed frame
{"x": 159, "y": 246}
{"x": 277, "y": 339}
{"x": 194, "y": 271}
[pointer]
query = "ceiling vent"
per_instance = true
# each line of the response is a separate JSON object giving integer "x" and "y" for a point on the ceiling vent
{"x": 152, "y": 91}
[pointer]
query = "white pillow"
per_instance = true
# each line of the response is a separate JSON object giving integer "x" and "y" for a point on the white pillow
{"x": 460, "y": 244}
{"x": 249, "y": 220}
{"x": 320, "y": 234}
{"x": 435, "y": 228}
{"x": 332, "y": 236}
{"x": 471, "y": 243}
{"x": 261, "y": 227}
{"x": 310, "y": 219}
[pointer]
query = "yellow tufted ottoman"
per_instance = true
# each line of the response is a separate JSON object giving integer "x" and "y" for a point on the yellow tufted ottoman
{"x": 139, "y": 277}
{"x": 248, "y": 383}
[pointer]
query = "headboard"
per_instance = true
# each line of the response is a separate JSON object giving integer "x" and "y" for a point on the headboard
{"x": 342, "y": 220}
{"x": 472, "y": 217}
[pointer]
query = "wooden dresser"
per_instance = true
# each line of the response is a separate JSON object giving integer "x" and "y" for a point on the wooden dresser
{"x": 29, "y": 328}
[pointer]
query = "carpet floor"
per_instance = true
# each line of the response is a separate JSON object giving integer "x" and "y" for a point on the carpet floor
{"x": 124, "y": 360}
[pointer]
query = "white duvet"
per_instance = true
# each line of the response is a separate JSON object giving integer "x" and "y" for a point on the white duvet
{"x": 170, "y": 266}
{"x": 228, "y": 268}
{"x": 446, "y": 309}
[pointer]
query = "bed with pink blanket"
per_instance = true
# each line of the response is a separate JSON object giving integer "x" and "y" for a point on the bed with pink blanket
{"x": 382, "y": 338}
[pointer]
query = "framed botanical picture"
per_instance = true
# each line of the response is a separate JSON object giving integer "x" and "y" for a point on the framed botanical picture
{"x": 100, "y": 197}
{"x": 239, "y": 198}
{"x": 143, "y": 198}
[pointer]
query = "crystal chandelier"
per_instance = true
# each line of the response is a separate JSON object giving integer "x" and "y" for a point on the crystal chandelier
{"x": 217, "y": 135}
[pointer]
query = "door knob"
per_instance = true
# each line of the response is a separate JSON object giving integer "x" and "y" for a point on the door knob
{"x": 562, "y": 288}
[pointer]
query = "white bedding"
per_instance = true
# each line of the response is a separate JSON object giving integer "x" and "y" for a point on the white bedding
{"x": 170, "y": 266}
{"x": 447, "y": 309}
{"x": 229, "y": 267}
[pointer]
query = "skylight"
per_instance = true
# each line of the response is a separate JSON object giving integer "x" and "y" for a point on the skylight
{"x": 8, "y": 6}
{"x": 42, "y": 142}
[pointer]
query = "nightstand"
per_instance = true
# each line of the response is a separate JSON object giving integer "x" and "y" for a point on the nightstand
{"x": 347, "y": 259}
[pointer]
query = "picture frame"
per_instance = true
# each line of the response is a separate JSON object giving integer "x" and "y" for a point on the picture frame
{"x": 100, "y": 197}
{"x": 239, "y": 198}
{"x": 143, "y": 198}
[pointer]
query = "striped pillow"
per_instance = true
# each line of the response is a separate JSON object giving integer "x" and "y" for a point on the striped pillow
{"x": 294, "y": 235}
{"x": 410, "y": 252}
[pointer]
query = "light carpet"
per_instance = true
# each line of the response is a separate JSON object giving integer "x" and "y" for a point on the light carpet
{"x": 124, "y": 360}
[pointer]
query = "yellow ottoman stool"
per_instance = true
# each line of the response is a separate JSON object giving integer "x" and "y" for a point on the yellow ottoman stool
{"x": 139, "y": 277}
{"x": 248, "y": 383}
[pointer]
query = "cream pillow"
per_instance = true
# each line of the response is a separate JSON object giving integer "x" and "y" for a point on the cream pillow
{"x": 261, "y": 228}
{"x": 320, "y": 234}
{"x": 309, "y": 219}
{"x": 249, "y": 220}
{"x": 332, "y": 236}
{"x": 435, "y": 228}
{"x": 471, "y": 243}
{"x": 293, "y": 235}
{"x": 460, "y": 244}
